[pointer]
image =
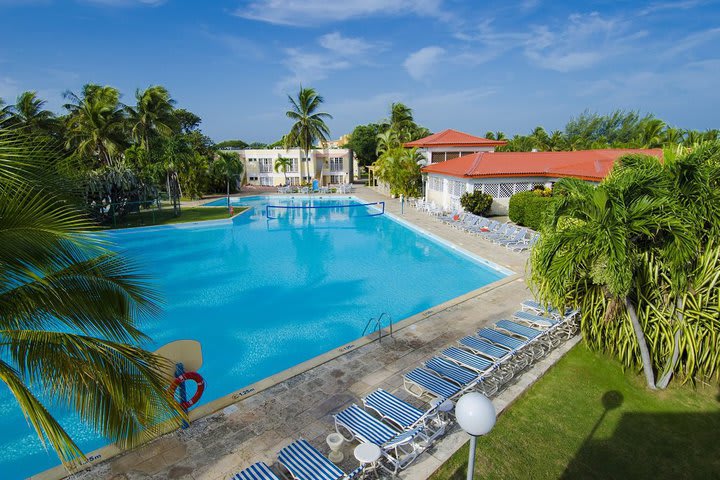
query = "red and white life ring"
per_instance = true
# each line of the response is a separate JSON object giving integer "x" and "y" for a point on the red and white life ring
{"x": 197, "y": 378}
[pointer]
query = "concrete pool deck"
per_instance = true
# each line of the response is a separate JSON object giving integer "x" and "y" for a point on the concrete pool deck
{"x": 257, "y": 427}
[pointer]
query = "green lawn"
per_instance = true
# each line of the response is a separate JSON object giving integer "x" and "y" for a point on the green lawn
{"x": 166, "y": 216}
{"x": 560, "y": 429}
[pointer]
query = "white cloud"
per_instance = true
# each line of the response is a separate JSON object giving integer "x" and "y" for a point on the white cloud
{"x": 663, "y": 6}
{"x": 313, "y": 12}
{"x": 419, "y": 64}
{"x": 336, "y": 53}
{"x": 345, "y": 46}
{"x": 691, "y": 41}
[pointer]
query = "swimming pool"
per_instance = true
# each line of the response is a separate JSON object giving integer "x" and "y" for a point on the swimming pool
{"x": 264, "y": 295}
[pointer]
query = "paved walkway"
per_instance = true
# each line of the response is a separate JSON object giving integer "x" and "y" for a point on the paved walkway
{"x": 257, "y": 427}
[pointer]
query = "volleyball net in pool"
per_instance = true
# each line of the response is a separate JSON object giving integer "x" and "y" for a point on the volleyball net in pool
{"x": 332, "y": 212}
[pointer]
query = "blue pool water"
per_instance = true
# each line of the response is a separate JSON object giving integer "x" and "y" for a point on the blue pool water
{"x": 263, "y": 295}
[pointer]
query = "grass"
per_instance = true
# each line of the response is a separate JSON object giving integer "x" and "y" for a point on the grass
{"x": 588, "y": 419}
{"x": 166, "y": 216}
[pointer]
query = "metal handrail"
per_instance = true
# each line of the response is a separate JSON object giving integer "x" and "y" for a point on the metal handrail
{"x": 378, "y": 325}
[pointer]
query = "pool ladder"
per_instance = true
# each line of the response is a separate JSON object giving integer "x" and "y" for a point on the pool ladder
{"x": 377, "y": 322}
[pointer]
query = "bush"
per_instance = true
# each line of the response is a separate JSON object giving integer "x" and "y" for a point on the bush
{"x": 529, "y": 208}
{"x": 477, "y": 202}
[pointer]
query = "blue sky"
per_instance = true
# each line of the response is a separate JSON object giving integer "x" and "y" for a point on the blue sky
{"x": 470, "y": 65}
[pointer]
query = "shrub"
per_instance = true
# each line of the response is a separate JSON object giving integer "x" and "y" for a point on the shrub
{"x": 477, "y": 202}
{"x": 529, "y": 208}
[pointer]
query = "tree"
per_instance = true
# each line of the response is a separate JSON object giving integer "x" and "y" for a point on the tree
{"x": 363, "y": 142}
{"x": 386, "y": 140}
{"x": 28, "y": 113}
{"x": 400, "y": 168}
{"x": 187, "y": 121}
{"x": 95, "y": 123}
{"x": 70, "y": 313}
{"x": 228, "y": 166}
{"x": 232, "y": 144}
{"x": 4, "y": 112}
{"x": 599, "y": 245}
{"x": 495, "y": 136}
{"x": 153, "y": 116}
{"x": 309, "y": 126}
{"x": 281, "y": 165}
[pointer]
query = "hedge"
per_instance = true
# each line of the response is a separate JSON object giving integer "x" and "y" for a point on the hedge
{"x": 477, "y": 202}
{"x": 529, "y": 208}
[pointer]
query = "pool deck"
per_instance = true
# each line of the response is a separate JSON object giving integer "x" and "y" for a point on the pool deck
{"x": 257, "y": 427}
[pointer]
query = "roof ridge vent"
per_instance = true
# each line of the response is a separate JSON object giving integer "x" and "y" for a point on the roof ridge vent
{"x": 475, "y": 164}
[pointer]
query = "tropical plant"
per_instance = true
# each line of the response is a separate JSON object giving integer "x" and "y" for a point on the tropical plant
{"x": 530, "y": 209}
{"x": 477, "y": 203}
{"x": 386, "y": 140}
{"x": 29, "y": 113}
{"x": 282, "y": 164}
{"x": 152, "y": 116}
{"x": 363, "y": 142}
{"x": 70, "y": 313}
{"x": 309, "y": 126}
{"x": 400, "y": 168}
{"x": 96, "y": 124}
{"x": 634, "y": 253}
{"x": 229, "y": 167}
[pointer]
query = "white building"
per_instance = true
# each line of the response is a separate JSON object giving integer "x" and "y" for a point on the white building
{"x": 331, "y": 166}
{"x": 503, "y": 174}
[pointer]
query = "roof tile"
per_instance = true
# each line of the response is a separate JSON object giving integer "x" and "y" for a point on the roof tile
{"x": 454, "y": 138}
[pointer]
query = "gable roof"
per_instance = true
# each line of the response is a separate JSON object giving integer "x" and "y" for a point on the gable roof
{"x": 454, "y": 138}
{"x": 592, "y": 165}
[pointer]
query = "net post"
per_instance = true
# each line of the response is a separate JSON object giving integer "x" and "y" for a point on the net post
{"x": 182, "y": 392}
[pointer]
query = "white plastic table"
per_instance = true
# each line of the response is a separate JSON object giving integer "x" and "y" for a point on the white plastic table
{"x": 368, "y": 454}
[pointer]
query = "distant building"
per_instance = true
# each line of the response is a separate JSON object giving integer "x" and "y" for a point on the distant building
{"x": 502, "y": 174}
{"x": 331, "y": 166}
{"x": 449, "y": 144}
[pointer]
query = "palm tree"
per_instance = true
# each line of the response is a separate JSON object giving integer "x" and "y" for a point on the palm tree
{"x": 228, "y": 166}
{"x": 599, "y": 238}
{"x": 28, "y": 112}
{"x": 401, "y": 121}
{"x": 95, "y": 123}
{"x": 152, "y": 116}
{"x": 495, "y": 135}
{"x": 70, "y": 313}
{"x": 4, "y": 111}
{"x": 386, "y": 140}
{"x": 281, "y": 165}
{"x": 309, "y": 126}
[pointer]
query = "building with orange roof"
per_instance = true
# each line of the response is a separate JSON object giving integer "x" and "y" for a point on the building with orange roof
{"x": 502, "y": 174}
{"x": 450, "y": 144}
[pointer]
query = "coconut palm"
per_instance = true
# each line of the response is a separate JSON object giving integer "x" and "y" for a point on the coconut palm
{"x": 401, "y": 121}
{"x": 70, "y": 310}
{"x": 4, "y": 111}
{"x": 281, "y": 165}
{"x": 598, "y": 242}
{"x": 152, "y": 116}
{"x": 96, "y": 123}
{"x": 28, "y": 113}
{"x": 309, "y": 126}
{"x": 228, "y": 166}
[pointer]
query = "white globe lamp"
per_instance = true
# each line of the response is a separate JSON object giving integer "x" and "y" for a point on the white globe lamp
{"x": 476, "y": 415}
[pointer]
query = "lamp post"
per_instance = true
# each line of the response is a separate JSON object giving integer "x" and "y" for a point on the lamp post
{"x": 476, "y": 415}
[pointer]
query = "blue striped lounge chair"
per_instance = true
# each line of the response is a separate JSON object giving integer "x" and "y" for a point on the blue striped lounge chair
{"x": 465, "y": 378}
{"x": 501, "y": 356}
{"x": 502, "y": 229}
{"x": 508, "y": 233}
{"x": 538, "y": 342}
{"x": 399, "y": 449}
{"x": 555, "y": 327}
{"x": 521, "y": 358}
{"x": 482, "y": 366}
{"x": 518, "y": 236}
{"x": 256, "y": 471}
{"x": 405, "y": 416}
{"x": 304, "y": 462}
{"x": 480, "y": 222}
{"x": 421, "y": 383}
{"x": 522, "y": 245}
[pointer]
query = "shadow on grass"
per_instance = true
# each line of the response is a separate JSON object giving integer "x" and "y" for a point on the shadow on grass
{"x": 654, "y": 446}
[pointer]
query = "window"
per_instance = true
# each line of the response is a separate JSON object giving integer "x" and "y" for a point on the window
{"x": 266, "y": 165}
{"x": 294, "y": 180}
{"x": 253, "y": 179}
{"x": 266, "y": 181}
{"x": 294, "y": 167}
{"x": 336, "y": 179}
{"x": 436, "y": 184}
{"x": 451, "y": 155}
{"x": 437, "y": 157}
{"x": 457, "y": 188}
{"x": 336, "y": 164}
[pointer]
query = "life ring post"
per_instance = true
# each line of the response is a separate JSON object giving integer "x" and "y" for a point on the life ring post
{"x": 182, "y": 391}
{"x": 179, "y": 383}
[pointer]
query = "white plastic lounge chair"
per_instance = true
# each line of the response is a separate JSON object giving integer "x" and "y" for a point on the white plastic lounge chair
{"x": 482, "y": 366}
{"x": 421, "y": 383}
{"x": 516, "y": 237}
{"x": 398, "y": 448}
{"x": 465, "y": 378}
{"x": 523, "y": 245}
{"x": 405, "y": 416}
{"x": 502, "y": 357}
{"x": 304, "y": 462}
{"x": 256, "y": 471}
{"x": 522, "y": 356}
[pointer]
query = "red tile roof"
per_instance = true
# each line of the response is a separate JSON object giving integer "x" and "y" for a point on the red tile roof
{"x": 591, "y": 165}
{"x": 453, "y": 138}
